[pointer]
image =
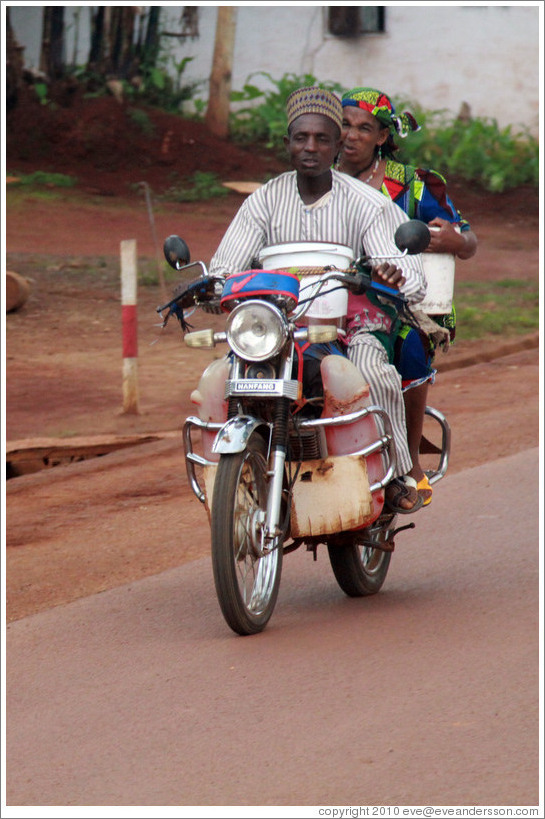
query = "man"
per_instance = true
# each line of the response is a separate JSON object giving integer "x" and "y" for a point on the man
{"x": 315, "y": 203}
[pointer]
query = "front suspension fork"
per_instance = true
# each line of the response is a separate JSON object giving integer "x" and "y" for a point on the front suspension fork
{"x": 277, "y": 460}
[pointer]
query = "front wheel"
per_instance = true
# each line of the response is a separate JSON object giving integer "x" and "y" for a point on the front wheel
{"x": 247, "y": 579}
{"x": 360, "y": 569}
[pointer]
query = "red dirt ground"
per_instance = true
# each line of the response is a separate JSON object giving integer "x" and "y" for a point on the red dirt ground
{"x": 63, "y": 357}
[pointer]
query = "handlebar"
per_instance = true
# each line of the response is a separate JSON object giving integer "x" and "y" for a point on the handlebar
{"x": 357, "y": 280}
{"x": 206, "y": 288}
{"x": 198, "y": 292}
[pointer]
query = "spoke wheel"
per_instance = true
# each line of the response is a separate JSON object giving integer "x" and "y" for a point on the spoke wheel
{"x": 360, "y": 569}
{"x": 246, "y": 578}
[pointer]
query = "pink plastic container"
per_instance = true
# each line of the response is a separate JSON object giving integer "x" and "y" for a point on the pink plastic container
{"x": 345, "y": 391}
{"x": 209, "y": 398}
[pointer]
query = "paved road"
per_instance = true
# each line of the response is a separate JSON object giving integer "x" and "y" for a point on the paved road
{"x": 426, "y": 694}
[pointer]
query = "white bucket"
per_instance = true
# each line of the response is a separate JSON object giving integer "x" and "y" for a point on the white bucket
{"x": 306, "y": 254}
{"x": 331, "y": 303}
{"x": 439, "y": 269}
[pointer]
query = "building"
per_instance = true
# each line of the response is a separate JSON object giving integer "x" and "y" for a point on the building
{"x": 435, "y": 54}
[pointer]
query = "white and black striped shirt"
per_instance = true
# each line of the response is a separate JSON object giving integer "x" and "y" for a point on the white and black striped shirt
{"x": 354, "y": 214}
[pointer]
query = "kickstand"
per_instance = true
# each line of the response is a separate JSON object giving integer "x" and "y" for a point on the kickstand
{"x": 402, "y": 529}
{"x": 313, "y": 547}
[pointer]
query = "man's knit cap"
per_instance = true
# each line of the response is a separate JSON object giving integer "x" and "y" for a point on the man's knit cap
{"x": 314, "y": 100}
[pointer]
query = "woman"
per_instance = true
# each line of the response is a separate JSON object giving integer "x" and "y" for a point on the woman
{"x": 368, "y": 128}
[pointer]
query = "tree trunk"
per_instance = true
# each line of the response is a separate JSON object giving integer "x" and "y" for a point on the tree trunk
{"x": 96, "y": 53}
{"x": 14, "y": 66}
{"x": 114, "y": 53}
{"x": 151, "y": 42}
{"x": 52, "y": 57}
{"x": 217, "y": 112}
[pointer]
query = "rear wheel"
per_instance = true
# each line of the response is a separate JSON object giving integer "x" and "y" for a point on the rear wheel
{"x": 359, "y": 568}
{"x": 247, "y": 580}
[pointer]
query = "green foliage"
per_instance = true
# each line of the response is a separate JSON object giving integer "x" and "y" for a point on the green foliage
{"x": 160, "y": 88}
{"x": 41, "y": 92}
{"x": 200, "y": 185}
{"x": 155, "y": 85}
{"x": 475, "y": 149}
{"x": 263, "y": 121}
{"x": 506, "y": 307}
{"x": 42, "y": 178}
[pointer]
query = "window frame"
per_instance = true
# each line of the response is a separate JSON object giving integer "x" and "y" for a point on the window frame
{"x": 347, "y": 28}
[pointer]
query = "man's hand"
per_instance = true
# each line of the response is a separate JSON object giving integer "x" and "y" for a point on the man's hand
{"x": 388, "y": 274}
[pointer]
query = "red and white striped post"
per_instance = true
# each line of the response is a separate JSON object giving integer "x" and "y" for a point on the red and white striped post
{"x": 129, "y": 278}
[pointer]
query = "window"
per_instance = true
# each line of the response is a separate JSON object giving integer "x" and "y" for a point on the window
{"x": 189, "y": 24}
{"x": 351, "y": 21}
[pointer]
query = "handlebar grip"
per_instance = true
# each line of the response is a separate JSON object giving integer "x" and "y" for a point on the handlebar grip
{"x": 362, "y": 283}
{"x": 382, "y": 289}
{"x": 199, "y": 290}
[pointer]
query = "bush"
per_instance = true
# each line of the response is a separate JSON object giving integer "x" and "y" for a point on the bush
{"x": 476, "y": 149}
{"x": 199, "y": 186}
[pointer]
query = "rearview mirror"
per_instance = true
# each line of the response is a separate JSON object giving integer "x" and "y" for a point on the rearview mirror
{"x": 176, "y": 252}
{"x": 413, "y": 236}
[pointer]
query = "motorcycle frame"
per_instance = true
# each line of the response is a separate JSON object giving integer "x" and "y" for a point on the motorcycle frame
{"x": 233, "y": 435}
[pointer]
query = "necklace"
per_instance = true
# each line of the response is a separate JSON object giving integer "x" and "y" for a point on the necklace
{"x": 371, "y": 175}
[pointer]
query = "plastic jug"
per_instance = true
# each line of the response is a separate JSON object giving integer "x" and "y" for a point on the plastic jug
{"x": 209, "y": 397}
{"x": 345, "y": 391}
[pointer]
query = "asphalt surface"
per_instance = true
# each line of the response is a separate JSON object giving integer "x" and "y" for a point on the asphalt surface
{"x": 426, "y": 694}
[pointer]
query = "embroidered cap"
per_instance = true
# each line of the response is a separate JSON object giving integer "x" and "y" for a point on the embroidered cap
{"x": 314, "y": 100}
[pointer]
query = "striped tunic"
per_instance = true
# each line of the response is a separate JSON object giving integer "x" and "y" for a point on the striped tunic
{"x": 354, "y": 214}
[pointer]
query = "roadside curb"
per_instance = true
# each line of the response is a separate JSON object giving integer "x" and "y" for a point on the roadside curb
{"x": 482, "y": 355}
{"x": 139, "y": 452}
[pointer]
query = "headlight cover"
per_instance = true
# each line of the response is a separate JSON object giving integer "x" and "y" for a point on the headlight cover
{"x": 256, "y": 330}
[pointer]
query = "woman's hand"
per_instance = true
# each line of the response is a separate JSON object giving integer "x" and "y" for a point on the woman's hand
{"x": 449, "y": 240}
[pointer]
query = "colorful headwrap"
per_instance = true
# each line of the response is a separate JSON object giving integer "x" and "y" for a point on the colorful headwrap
{"x": 314, "y": 100}
{"x": 381, "y": 107}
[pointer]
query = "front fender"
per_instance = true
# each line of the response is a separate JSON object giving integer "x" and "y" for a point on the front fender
{"x": 233, "y": 436}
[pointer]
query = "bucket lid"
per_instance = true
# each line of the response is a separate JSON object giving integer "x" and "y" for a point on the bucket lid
{"x": 306, "y": 247}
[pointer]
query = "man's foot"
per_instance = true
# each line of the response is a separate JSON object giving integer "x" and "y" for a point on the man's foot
{"x": 402, "y": 495}
{"x": 424, "y": 490}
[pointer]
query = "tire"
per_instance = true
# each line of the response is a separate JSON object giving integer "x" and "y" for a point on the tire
{"x": 359, "y": 569}
{"x": 246, "y": 584}
{"x": 17, "y": 291}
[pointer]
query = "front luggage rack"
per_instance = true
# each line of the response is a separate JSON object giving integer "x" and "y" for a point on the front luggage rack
{"x": 308, "y": 441}
{"x": 191, "y": 457}
{"x": 384, "y": 443}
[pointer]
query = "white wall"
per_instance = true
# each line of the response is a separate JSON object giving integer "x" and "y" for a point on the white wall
{"x": 434, "y": 53}
{"x": 441, "y": 56}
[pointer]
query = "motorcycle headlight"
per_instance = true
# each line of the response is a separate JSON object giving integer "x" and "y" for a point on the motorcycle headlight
{"x": 256, "y": 330}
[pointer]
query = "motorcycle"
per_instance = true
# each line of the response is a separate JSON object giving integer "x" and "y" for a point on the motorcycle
{"x": 275, "y": 464}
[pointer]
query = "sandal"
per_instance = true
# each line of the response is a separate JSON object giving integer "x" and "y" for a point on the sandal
{"x": 424, "y": 490}
{"x": 397, "y": 490}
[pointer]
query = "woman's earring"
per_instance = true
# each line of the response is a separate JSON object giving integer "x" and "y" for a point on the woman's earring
{"x": 379, "y": 153}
